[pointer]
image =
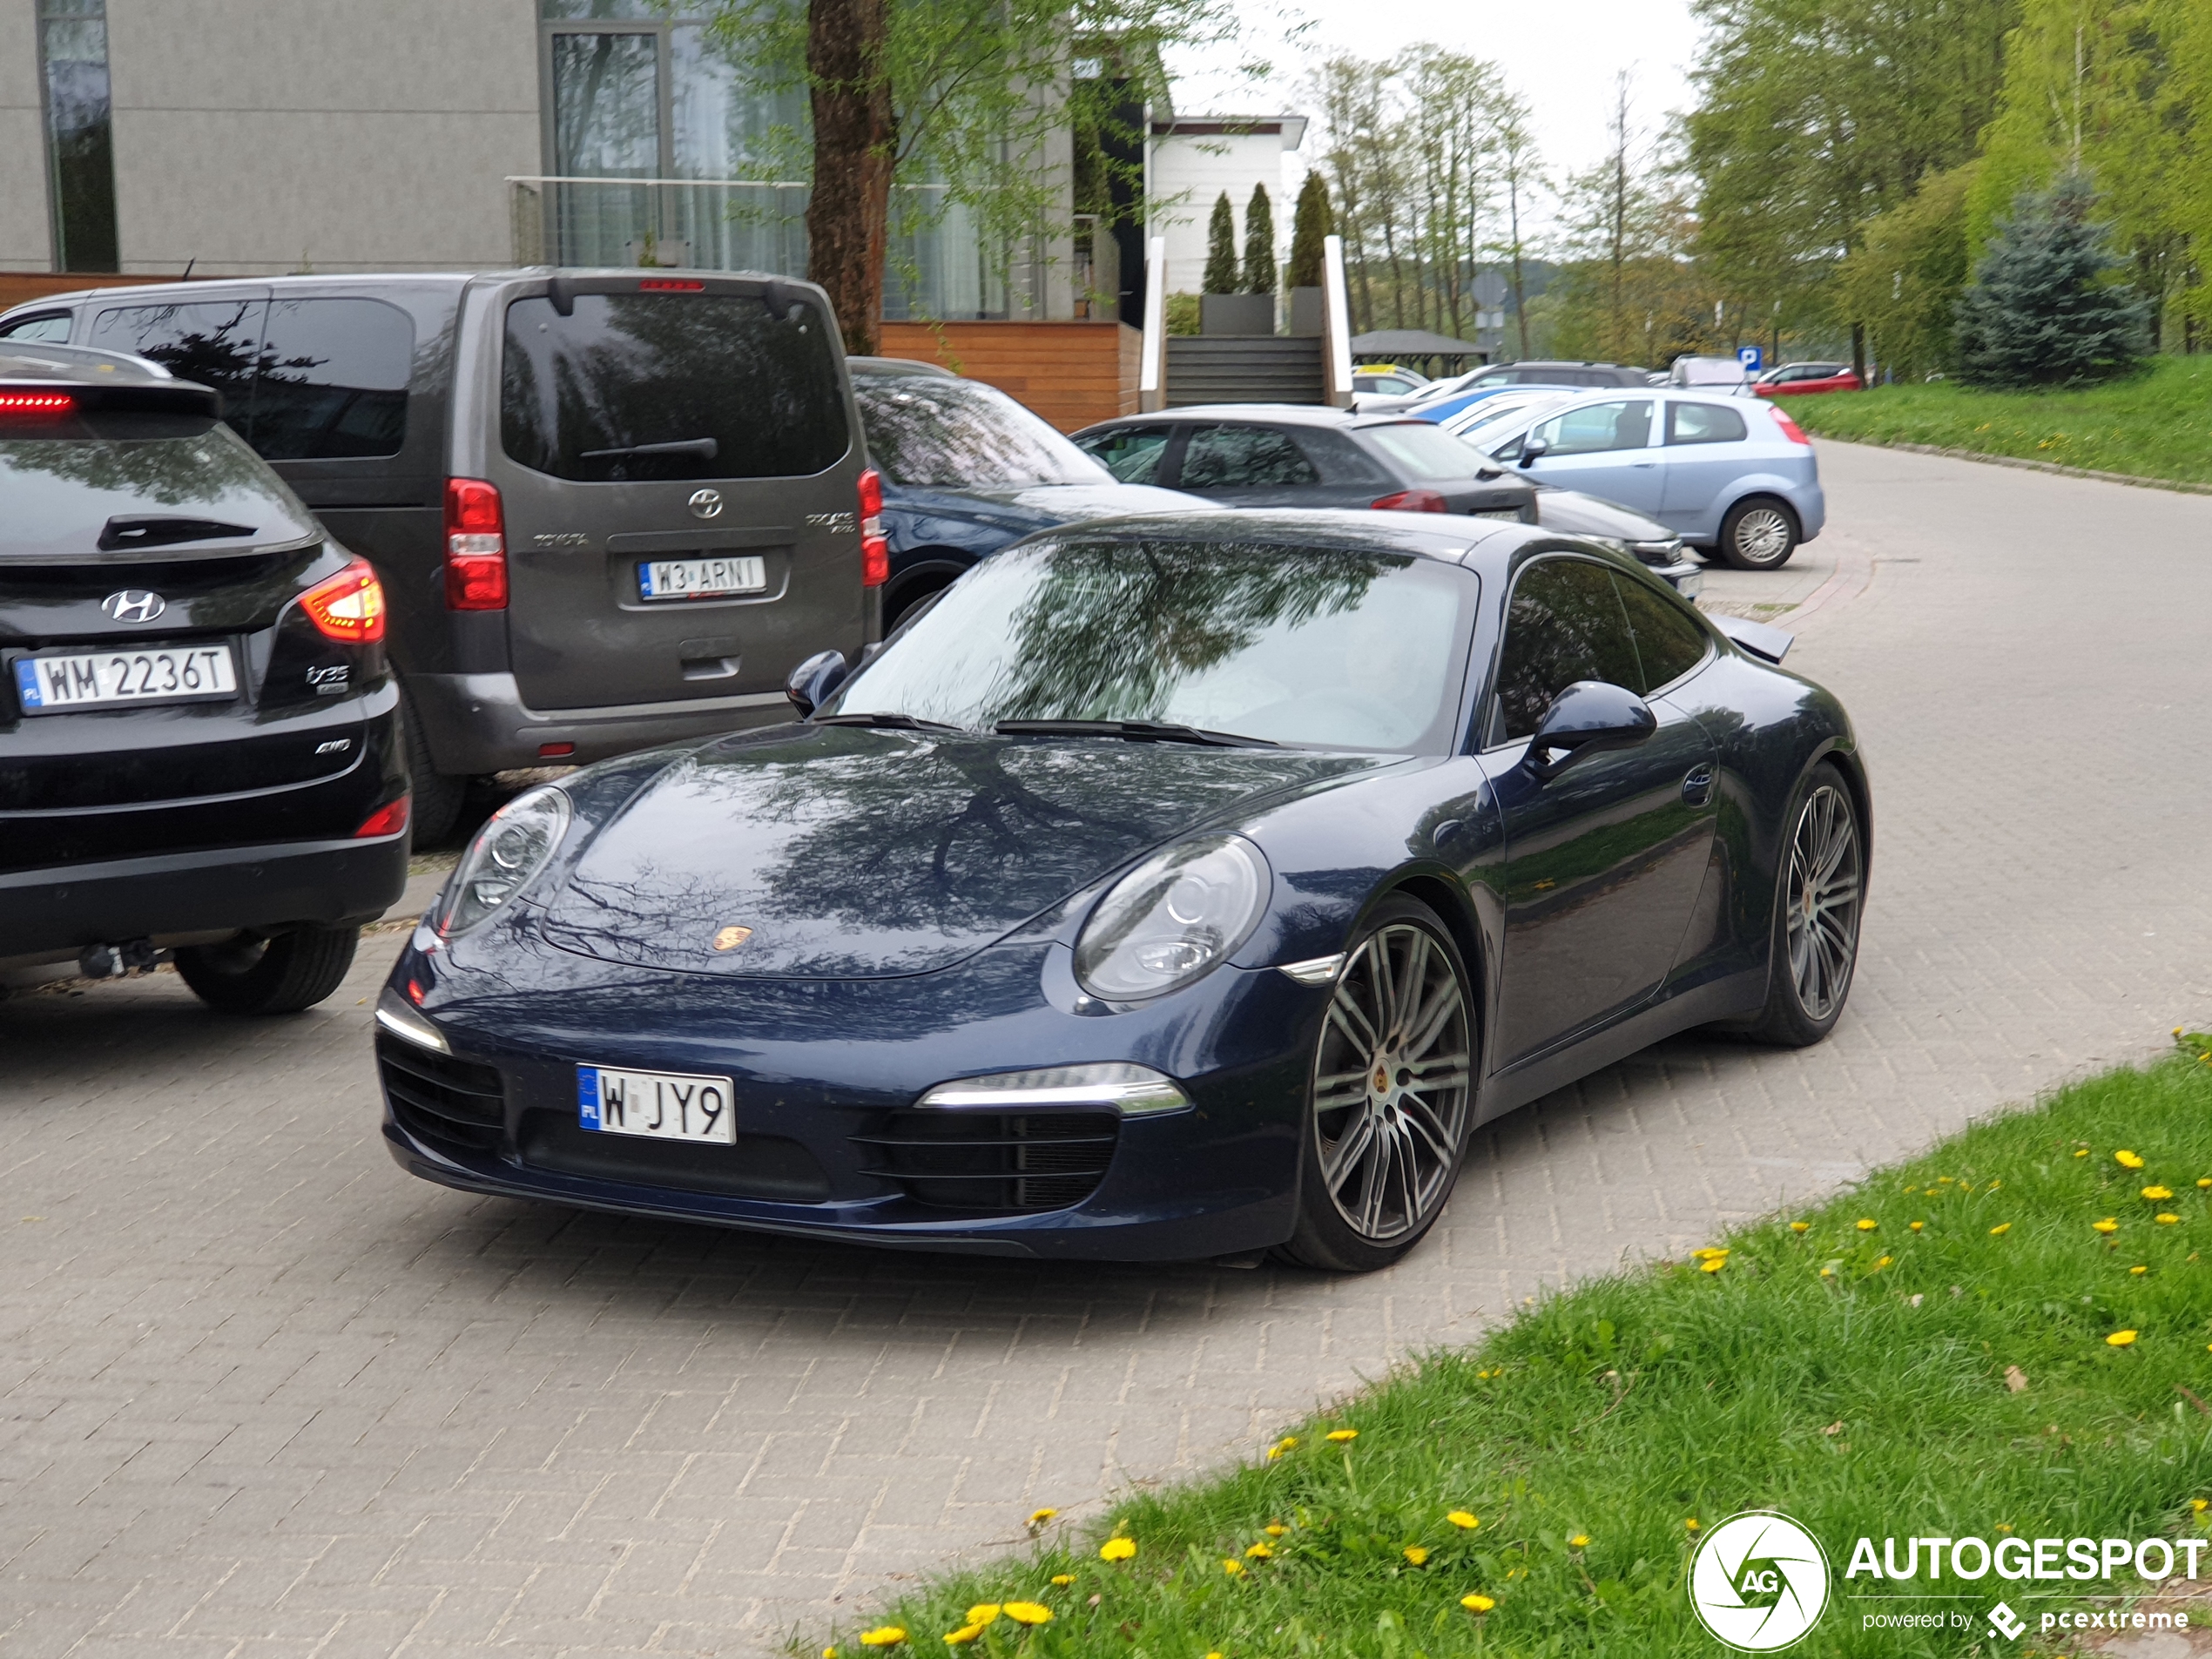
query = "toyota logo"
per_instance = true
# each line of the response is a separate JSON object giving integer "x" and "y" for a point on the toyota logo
{"x": 134, "y": 604}
{"x": 706, "y": 504}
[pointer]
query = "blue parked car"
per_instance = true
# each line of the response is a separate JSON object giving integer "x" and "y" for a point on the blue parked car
{"x": 967, "y": 470}
{"x": 1733, "y": 474}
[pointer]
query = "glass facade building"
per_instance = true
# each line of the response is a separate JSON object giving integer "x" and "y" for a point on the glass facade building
{"x": 80, "y": 140}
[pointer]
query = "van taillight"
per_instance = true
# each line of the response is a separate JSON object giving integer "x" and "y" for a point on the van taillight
{"x": 347, "y": 607}
{"x": 875, "y": 546}
{"x": 476, "y": 546}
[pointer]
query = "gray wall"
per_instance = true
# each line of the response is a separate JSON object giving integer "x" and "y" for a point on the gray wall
{"x": 257, "y": 136}
{"x": 26, "y": 241}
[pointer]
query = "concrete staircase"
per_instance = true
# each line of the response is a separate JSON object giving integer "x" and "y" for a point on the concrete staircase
{"x": 1243, "y": 368}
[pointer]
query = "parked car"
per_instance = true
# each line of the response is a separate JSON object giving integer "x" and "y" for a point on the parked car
{"x": 1734, "y": 474}
{"x": 1707, "y": 372}
{"x": 1284, "y": 455}
{"x": 1470, "y": 423}
{"x": 1473, "y": 400}
{"x": 967, "y": 470}
{"x": 1387, "y": 380}
{"x": 1172, "y": 888}
{"x": 611, "y": 507}
{"x": 1796, "y": 380}
{"x": 1536, "y": 373}
{"x": 199, "y": 739}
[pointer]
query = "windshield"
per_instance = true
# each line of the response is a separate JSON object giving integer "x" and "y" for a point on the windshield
{"x": 1293, "y": 645}
{"x": 1425, "y": 450}
{"x": 1495, "y": 413}
{"x": 928, "y": 431}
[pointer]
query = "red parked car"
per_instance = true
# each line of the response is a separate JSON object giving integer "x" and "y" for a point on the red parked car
{"x": 1792, "y": 379}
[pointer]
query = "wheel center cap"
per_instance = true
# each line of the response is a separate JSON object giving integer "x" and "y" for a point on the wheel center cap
{"x": 1382, "y": 1080}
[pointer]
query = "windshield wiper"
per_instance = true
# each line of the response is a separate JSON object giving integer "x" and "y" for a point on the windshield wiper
{"x": 705, "y": 449}
{"x": 893, "y": 722}
{"x": 156, "y": 530}
{"x": 1134, "y": 731}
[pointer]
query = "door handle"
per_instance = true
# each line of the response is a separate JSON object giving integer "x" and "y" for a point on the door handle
{"x": 1697, "y": 785}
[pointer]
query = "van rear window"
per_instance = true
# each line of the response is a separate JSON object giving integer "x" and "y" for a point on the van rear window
{"x": 650, "y": 386}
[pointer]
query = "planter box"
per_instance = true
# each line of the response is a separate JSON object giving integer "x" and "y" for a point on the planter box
{"x": 1307, "y": 312}
{"x": 1237, "y": 313}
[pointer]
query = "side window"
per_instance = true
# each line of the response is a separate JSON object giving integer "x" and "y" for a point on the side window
{"x": 333, "y": 380}
{"x": 216, "y": 343}
{"x": 1588, "y": 428}
{"x": 1704, "y": 423}
{"x": 53, "y": 325}
{"x": 1131, "y": 453}
{"x": 1564, "y": 624}
{"x": 1670, "y": 641}
{"x": 1243, "y": 457}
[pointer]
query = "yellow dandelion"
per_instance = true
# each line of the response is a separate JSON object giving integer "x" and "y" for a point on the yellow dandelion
{"x": 1915, "y": 1226}
{"x": 2158, "y": 1195}
{"x": 1800, "y": 1226}
{"x": 1275, "y": 1530}
{"x": 2082, "y": 1152}
{"x": 1038, "y": 1517}
{"x": 1713, "y": 1264}
{"x": 2004, "y": 1526}
{"x": 963, "y": 1636}
{"x": 1029, "y": 1612}
{"x": 1943, "y": 1180}
{"x": 1117, "y": 1549}
{"x": 982, "y": 1612}
{"x": 1416, "y": 1553}
{"x": 2204, "y": 1181}
{"x": 1463, "y": 1520}
{"x": 829, "y": 1653}
{"x": 1580, "y": 1541}
{"x": 1213, "y": 1655}
{"x": 1231, "y": 1565}
{"x": 883, "y": 1636}
{"x": 2120, "y": 1340}
{"x": 1260, "y": 1553}
{"x": 1827, "y": 1272}
{"x": 2001, "y": 1229}
{"x": 2165, "y": 1218}
{"x": 1706, "y": 1255}
{"x": 1477, "y": 1603}
{"x": 1340, "y": 1435}
{"x": 2198, "y": 1505}
{"x": 1281, "y": 1446}
{"x": 1692, "y": 1523}
{"x": 1884, "y": 1262}
{"x": 2108, "y": 1225}
{"x": 2138, "y": 1271}
{"x": 1867, "y": 1224}
{"x": 2126, "y": 1160}
{"x": 1064, "y": 1579}
{"x": 1994, "y": 1185}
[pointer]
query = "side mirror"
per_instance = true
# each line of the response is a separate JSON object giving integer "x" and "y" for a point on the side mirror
{"x": 1532, "y": 449}
{"x": 1587, "y": 716}
{"x": 814, "y": 681}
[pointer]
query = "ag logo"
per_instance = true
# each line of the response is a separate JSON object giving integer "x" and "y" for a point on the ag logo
{"x": 1759, "y": 1581}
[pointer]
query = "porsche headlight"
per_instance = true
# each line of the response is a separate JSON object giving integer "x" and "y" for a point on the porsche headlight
{"x": 1173, "y": 918}
{"x": 507, "y": 852}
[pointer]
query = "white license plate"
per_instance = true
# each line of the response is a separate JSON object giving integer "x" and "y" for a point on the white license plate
{"x": 1510, "y": 514}
{"x": 142, "y": 674}
{"x": 656, "y": 1105}
{"x": 702, "y": 578}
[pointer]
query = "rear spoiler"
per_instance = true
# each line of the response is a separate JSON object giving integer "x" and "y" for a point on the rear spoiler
{"x": 1755, "y": 637}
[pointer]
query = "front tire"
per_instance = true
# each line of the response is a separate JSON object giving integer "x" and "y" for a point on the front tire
{"x": 1819, "y": 897}
{"x": 1389, "y": 1098}
{"x": 1759, "y": 534}
{"x": 292, "y": 971}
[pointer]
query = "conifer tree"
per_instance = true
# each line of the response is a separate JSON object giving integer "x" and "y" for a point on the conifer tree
{"x": 1221, "y": 248}
{"x": 2043, "y": 308}
{"x": 1259, "y": 243}
{"x": 1310, "y": 225}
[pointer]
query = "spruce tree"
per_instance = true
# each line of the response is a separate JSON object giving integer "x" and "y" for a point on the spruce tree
{"x": 1221, "y": 248}
{"x": 1311, "y": 223}
{"x": 2043, "y": 308}
{"x": 1259, "y": 243}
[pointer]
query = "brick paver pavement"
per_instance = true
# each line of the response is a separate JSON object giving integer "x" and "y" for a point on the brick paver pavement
{"x": 261, "y": 1394}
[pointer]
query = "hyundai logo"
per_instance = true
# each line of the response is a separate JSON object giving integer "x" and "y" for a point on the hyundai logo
{"x": 706, "y": 504}
{"x": 134, "y": 604}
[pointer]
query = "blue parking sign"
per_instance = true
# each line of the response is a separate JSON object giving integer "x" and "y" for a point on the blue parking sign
{"x": 1752, "y": 357}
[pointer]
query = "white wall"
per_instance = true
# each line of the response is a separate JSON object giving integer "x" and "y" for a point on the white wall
{"x": 26, "y": 233}
{"x": 1190, "y": 172}
{"x": 259, "y": 136}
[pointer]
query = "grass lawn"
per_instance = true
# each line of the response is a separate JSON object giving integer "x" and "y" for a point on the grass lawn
{"x": 2155, "y": 425}
{"x": 1929, "y": 1354}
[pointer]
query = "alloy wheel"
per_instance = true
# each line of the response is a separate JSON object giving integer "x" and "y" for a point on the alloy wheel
{"x": 1823, "y": 894}
{"x": 1391, "y": 1084}
{"x": 1763, "y": 536}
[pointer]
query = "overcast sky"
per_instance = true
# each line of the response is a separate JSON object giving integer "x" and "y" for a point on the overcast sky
{"x": 1561, "y": 55}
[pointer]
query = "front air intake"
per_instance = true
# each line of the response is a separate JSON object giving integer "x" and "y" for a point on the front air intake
{"x": 993, "y": 1162}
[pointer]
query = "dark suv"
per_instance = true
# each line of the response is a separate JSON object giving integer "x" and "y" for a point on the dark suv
{"x": 611, "y": 509}
{"x": 199, "y": 739}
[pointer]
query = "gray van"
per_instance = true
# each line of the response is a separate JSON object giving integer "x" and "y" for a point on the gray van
{"x": 611, "y": 508}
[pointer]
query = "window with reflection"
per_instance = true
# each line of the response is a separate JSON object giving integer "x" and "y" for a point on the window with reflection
{"x": 925, "y": 430}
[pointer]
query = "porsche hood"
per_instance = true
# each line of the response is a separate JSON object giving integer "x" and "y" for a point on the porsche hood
{"x": 842, "y": 853}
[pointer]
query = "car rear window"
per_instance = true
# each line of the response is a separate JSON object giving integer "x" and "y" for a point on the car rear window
{"x": 1425, "y": 450}
{"x": 926, "y": 431}
{"x": 665, "y": 386}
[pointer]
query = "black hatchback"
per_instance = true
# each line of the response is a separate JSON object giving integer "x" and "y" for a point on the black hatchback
{"x": 199, "y": 742}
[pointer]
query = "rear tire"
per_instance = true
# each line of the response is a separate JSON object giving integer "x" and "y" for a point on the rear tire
{"x": 438, "y": 796}
{"x": 1820, "y": 895}
{"x": 1378, "y": 1162}
{"x": 1759, "y": 534}
{"x": 292, "y": 971}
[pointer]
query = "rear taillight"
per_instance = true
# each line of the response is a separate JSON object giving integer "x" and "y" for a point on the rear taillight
{"x": 36, "y": 406}
{"x": 1791, "y": 429}
{"x": 476, "y": 546}
{"x": 387, "y": 820}
{"x": 875, "y": 546}
{"x": 1411, "y": 501}
{"x": 671, "y": 285}
{"x": 347, "y": 607}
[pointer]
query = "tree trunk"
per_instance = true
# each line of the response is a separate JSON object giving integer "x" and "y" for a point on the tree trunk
{"x": 849, "y": 215}
{"x": 1858, "y": 351}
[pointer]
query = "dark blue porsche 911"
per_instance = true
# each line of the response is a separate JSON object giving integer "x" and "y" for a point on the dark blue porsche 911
{"x": 1168, "y": 888}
